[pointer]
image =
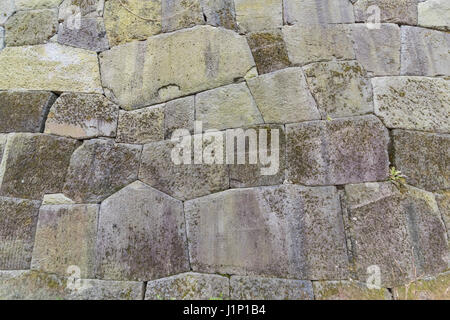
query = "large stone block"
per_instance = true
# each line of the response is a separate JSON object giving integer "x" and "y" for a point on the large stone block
{"x": 378, "y": 50}
{"x": 226, "y": 107}
{"x": 257, "y": 288}
{"x": 312, "y": 43}
{"x": 393, "y": 11}
{"x": 182, "y": 181}
{"x": 141, "y": 235}
{"x": 423, "y": 158}
{"x": 283, "y": 96}
{"x": 18, "y": 219}
{"x": 434, "y": 14}
{"x": 337, "y": 152}
{"x": 100, "y": 168}
{"x": 220, "y": 13}
{"x": 131, "y": 20}
{"x": 143, "y": 73}
{"x": 90, "y": 35}
{"x": 49, "y": 67}
{"x": 430, "y": 288}
{"x": 258, "y": 15}
{"x": 31, "y": 27}
{"x": 309, "y": 12}
{"x": 341, "y": 89}
{"x": 82, "y": 116}
{"x": 348, "y": 290}
{"x": 181, "y": 14}
{"x": 425, "y": 52}
{"x": 34, "y": 164}
{"x": 24, "y": 111}
{"x": 286, "y": 231}
{"x": 398, "y": 235}
{"x": 188, "y": 286}
{"x": 65, "y": 238}
{"x": 415, "y": 103}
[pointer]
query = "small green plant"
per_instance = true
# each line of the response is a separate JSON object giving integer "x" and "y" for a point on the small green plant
{"x": 329, "y": 118}
{"x": 396, "y": 177}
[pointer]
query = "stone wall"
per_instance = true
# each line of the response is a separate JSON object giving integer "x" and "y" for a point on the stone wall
{"x": 92, "y": 205}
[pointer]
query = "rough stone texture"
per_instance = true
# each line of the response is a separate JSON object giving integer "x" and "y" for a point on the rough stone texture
{"x": 284, "y": 231}
{"x": 283, "y": 96}
{"x": 185, "y": 181}
{"x": 432, "y": 288}
{"x": 227, "y": 107}
{"x": 31, "y": 27}
{"x": 269, "y": 50}
{"x": 178, "y": 14}
{"x": 56, "y": 199}
{"x": 89, "y": 8}
{"x": 220, "y": 13}
{"x": 3, "y": 140}
{"x": 141, "y": 126}
{"x": 141, "y": 235}
{"x": 311, "y": 43}
{"x": 348, "y": 290}
{"x": 337, "y": 152}
{"x": 65, "y": 237}
{"x": 7, "y": 8}
{"x": 310, "y": 12}
{"x": 179, "y": 114}
{"x": 24, "y": 111}
{"x": 188, "y": 286}
{"x": 18, "y": 220}
{"x": 396, "y": 231}
{"x": 434, "y": 14}
{"x": 49, "y": 67}
{"x": 162, "y": 77}
{"x": 257, "y": 288}
{"x": 2, "y": 38}
{"x": 100, "y": 168}
{"x": 127, "y": 20}
{"x": 36, "y": 4}
{"x": 443, "y": 201}
{"x": 90, "y": 35}
{"x": 378, "y": 50}
{"x": 258, "y": 15}
{"x": 82, "y": 116}
{"x": 423, "y": 158}
{"x": 415, "y": 103}
{"x": 34, "y": 164}
{"x": 425, "y": 52}
{"x": 341, "y": 89}
{"x": 33, "y": 285}
{"x": 393, "y": 11}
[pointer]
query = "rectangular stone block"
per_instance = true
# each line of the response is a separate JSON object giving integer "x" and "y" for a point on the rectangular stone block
{"x": 285, "y": 231}
{"x": 310, "y": 12}
{"x": 392, "y": 11}
{"x": 258, "y": 15}
{"x": 434, "y": 14}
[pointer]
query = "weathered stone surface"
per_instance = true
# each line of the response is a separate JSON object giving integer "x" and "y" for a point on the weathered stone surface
{"x": 378, "y": 50}
{"x": 100, "y": 168}
{"x": 179, "y": 114}
{"x": 337, "y": 152}
{"x": 188, "y": 286}
{"x": 31, "y": 27}
{"x": 284, "y": 231}
{"x": 431, "y": 288}
{"x": 227, "y": 107}
{"x": 142, "y": 73}
{"x": 443, "y": 201}
{"x": 34, "y": 164}
{"x": 398, "y": 232}
{"x": 341, "y": 89}
{"x": 269, "y": 50}
{"x": 423, "y": 158}
{"x": 434, "y": 14}
{"x": 3, "y": 140}
{"x": 393, "y": 11}
{"x": 2, "y": 38}
{"x": 49, "y": 67}
{"x": 310, "y": 12}
{"x": 258, "y": 15}
{"x": 24, "y": 111}
{"x": 220, "y": 13}
{"x": 65, "y": 237}
{"x": 311, "y": 43}
{"x": 7, "y": 8}
{"x": 36, "y": 4}
{"x": 257, "y": 288}
{"x": 283, "y": 96}
{"x": 127, "y": 20}
{"x": 182, "y": 181}
{"x": 141, "y": 235}
{"x": 348, "y": 290}
{"x": 181, "y": 14}
{"x": 18, "y": 219}
{"x": 90, "y": 35}
{"x": 89, "y": 8}
{"x": 141, "y": 126}
{"x": 415, "y": 103}
{"x": 33, "y": 285}
{"x": 425, "y": 52}
{"x": 82, "y": 116}
{"x": 56, "y": 199}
